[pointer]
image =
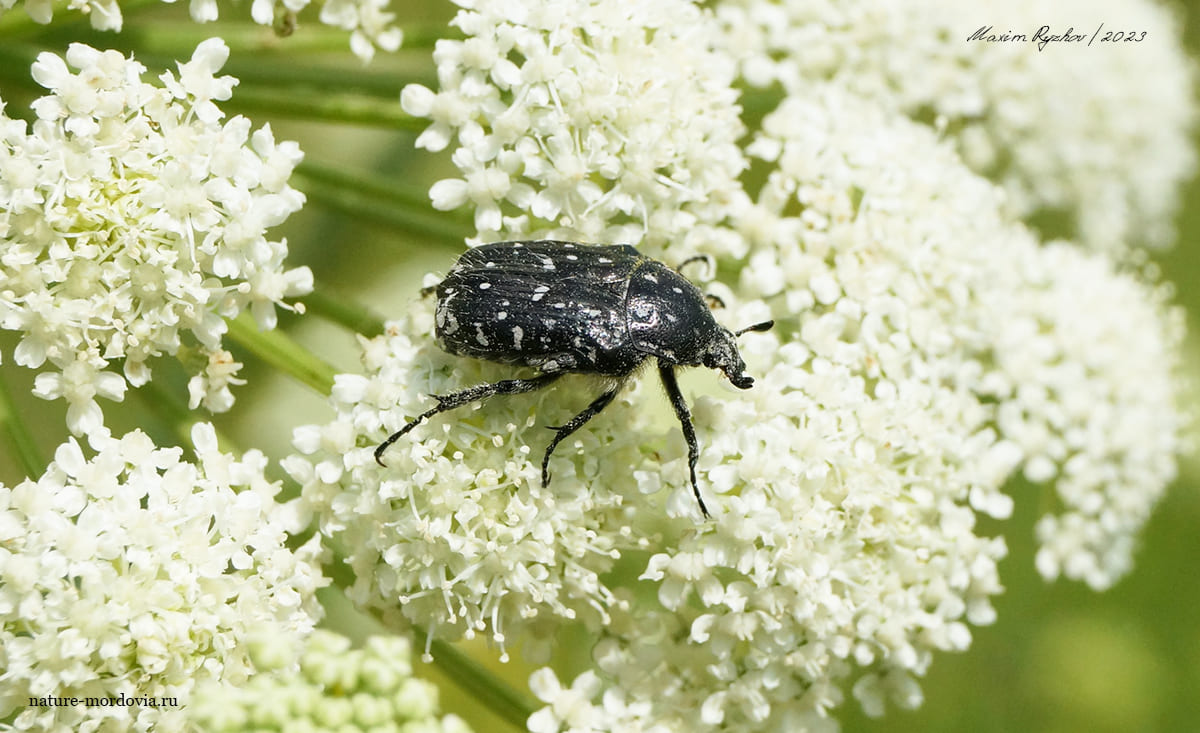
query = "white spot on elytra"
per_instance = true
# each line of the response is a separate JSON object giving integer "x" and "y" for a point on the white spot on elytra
{"x": 501, "y": 315}
{"x": 484, "y": 286}
{"x": 560, "y": 305}
{"x": 489, "y": 264}
{"x": 677, "y": 290}
{"x": 650, "y": 277}
{"x": 479, "y": 335}
{"x": 604, "y": 261}
{"x": 540, "y": 292}
{"x": 518, "y": 333}
{"x": 572, "y": 257}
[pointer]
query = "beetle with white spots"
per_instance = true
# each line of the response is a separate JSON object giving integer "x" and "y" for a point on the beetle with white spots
{"x": 561, "y": 308}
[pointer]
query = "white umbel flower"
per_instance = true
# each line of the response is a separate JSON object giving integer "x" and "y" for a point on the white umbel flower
{"x": 611, "y": 120}
{"x": 132, "y": 222}
{"x": 1107, "y": 158}
{"x": 137, "y": 573}
{"x": 1088, "y": 382}
{"x": 845, "y": 554}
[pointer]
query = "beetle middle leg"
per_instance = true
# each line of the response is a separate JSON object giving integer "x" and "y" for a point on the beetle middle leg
{"x": 667, "y": 373}
{"x": 574, "y": 424}
{"x": 467, "y": 396}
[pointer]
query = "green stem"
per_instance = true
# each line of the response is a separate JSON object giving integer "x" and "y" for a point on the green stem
{"x": 468, "y": 674}
{"x": 278, "y": 71}
{"x": 177, "y": 39}
{"x": 354, "y": 109}
{"x": 475, "y": 679}
{"x": 18, "y": 434}
{"x": 380, "y": 200}
{"x": 343, "y": 312}
{"x": 280, "y": 351}
{"x": 393, "y": 193}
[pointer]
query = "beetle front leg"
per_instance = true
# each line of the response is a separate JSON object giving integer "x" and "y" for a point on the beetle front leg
{"x": 667, "y": 373}
{"x": 465, "y": 397}
{"x": 574, "y": 424}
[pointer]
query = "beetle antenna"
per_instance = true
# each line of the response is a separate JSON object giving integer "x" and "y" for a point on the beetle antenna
{"x": 764, "y": 326}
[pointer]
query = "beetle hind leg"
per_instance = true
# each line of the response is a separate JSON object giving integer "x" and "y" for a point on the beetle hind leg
{"x": 574, "y": 424}
{"x": 667, "y": 373}
{"x": 465, "y": 397}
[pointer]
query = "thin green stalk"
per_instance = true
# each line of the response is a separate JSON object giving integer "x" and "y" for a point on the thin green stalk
{"x": 280, "y": 351}
{"x": 19, "y": 435}
{"x": 393, "y": 192}
{"x": 343, "y": 312}
{"x": 176, "y": 37}
{"x": 378, "y": 200}
{"x": 284, "y": 71}
{"x": 281, "y": 66}
{"x": 465, "y": 672}
{"x": 172, "y": 37}
{"x": 356, "y": 109}
{"x": 475, "y": 679}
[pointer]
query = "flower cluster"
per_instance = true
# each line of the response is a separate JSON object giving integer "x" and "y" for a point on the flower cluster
{"x": 611, "y": 121}
{"x": 457, "y": 535}
{"x": 369, "y": 21}
{"x": 133, "y": 223}
{"x": 1081, "y": 360}
{"x": 325, "y": 686}
{"x": 136, "y": 573}
{"x": 1108, "y": 158}
{"x": 1088, "y": 381}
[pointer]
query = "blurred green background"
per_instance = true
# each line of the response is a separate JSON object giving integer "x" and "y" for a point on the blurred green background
{"x": 1060, "y": 658}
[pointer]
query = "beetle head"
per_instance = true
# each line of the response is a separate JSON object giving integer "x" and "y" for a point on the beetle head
{"x": 722, "y": 353}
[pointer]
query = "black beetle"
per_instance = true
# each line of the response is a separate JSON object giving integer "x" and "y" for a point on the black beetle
{"x": 561, "y": 307}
